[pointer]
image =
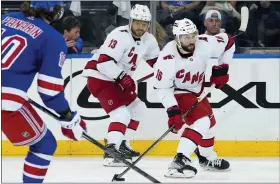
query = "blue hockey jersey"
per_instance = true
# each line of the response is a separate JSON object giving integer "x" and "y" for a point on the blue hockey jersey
{"x": 31, "y": 46}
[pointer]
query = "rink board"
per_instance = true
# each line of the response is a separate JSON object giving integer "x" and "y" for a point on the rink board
{"x": 246, "y": 110}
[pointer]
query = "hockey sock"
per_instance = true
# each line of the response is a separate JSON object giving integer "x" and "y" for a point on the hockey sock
{"x": 116, "y": 133}
{"x": 38, "y": 159}
{"x": 131, "y": 129}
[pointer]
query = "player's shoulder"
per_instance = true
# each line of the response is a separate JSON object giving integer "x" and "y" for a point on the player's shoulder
{"x": 224, "y": 36}
{"x": 167, "y": 53}
{"x": 221, "y": 37}
{"x": 149, "y": 38}
{"x": 166, "y": 58}
{"x": 204, "y": 38}
{"x": 121, "y": 33}
{"x": 10, "y": 14}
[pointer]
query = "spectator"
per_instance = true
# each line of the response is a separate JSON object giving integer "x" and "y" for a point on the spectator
{"x": 228, "y": 12}
{"x": 268, "y": 15}
{"x": 213, "y": 21}
{"x": 69, "y": 27}
{"x": 174, "y": 10}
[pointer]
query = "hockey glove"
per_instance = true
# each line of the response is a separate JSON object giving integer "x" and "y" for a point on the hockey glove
{"x": 126, "y": 82}
{"x": 73, "y": 126}
{"x": 219, "y": 75}
{"x": 175, "y": 118}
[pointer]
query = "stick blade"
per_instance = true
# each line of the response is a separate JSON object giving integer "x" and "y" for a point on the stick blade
{"x": 244, "y": 18}
{"x": 117, "y": 178}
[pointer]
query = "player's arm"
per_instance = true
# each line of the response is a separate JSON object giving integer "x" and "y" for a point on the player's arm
{"x": 164, "y": 87}
{"x": 164, "y": 71}
{"x": 152, "y": 52}
{"x": 220, "y": 74}
{"x": 110, "y": 53}
{"x": 50, "y": 81}
{"x": 51, "y": 89}
{"x": 228, "y": 50}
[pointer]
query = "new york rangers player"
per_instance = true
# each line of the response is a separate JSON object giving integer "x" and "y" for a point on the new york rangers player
{"x": 31, "y": 46}
{"x": 109, "y": 79}
{"x": 180, "y": 74}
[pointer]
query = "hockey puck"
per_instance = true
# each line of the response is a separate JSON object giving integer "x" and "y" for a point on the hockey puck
{"x": 116, "y": 178}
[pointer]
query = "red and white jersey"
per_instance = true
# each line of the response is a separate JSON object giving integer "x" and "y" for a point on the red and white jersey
{"x": 177, "y": 73}
{"x": 121, "y": 52}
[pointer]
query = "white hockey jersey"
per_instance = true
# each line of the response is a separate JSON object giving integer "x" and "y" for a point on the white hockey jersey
{"x": 121, "y": 52}
{"x": 176, "y": 73}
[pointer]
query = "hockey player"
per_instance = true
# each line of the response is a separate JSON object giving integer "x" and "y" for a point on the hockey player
{"x": 212, "y": 22}
{"x": 180, "y": 74}
{"x": 31, "y": 46}
{"x": 109, "y": 79}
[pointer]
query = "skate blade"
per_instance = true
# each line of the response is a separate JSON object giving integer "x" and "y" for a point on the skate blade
{"x": 111, "y": 162}
{"x": 211, "y": 169}
{"x": 173, "y": 173}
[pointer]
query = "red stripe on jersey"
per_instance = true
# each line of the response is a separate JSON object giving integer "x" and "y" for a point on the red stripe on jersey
{"x": 192, "y": 135}
{"x": 50, "y": 86}
{"x": 230, "y": 43}
{"x": 151, "y": 62}
{"x": 133, "y": 125}
{"x": 34, "y": 171}
{"x": 12, "y": 97}
{"x": 117, "y": 126}
{"x": 207, "y": 142}
{"x": 91, "y": 65}
{"x": 103, "y": 58}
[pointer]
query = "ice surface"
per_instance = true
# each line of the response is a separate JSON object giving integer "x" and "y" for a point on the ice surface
{"x": 90, "y": 169}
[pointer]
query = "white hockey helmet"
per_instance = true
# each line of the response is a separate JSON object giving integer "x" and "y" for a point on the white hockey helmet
{"x": 183, "y": 26}
{"x": 140, "y": 12}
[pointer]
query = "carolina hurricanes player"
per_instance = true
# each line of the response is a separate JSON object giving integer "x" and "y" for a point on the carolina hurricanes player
{"x": 180, "y": 74}
{"x": 109, "y": 79}
{"x": 31, "y": 46}
{"x": 213, "y": 24}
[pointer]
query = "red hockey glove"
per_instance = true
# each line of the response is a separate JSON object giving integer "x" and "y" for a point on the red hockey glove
{"x": 73, "y": 127}
{"x": 126, "y": 82}
{"x": 219, "y": 75}
{"x": 175, "y": 118}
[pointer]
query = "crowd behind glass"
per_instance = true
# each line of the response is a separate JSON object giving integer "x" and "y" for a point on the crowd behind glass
{"x": 98, "y": 18}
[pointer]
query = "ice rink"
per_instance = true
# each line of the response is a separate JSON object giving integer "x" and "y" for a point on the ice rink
{"x": 69, "y": 170}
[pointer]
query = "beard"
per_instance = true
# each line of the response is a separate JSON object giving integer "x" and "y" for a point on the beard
{"x": 190, "y": 48}
{"x": 138, "y": 32}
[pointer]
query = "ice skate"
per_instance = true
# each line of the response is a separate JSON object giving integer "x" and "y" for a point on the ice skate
{"x": 181, "y": 168}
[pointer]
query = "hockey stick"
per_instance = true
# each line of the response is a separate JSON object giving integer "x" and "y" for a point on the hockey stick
{"x": 118, "y": 177}
{"x": 244, "y": 21}
{"x": 199, "y": 99}
{"x": 98, "y": 144}
{"x": 145, "y": 78}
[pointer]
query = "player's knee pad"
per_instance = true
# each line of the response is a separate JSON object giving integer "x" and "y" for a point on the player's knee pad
{"x": 137, "y": 109}
{"x": 46, "y": 146}
{"x": 121, "y": 115}
{"x": 24, "y": 126}
{"x": 201, "y": 125}
{"x": 196, "y": 131}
